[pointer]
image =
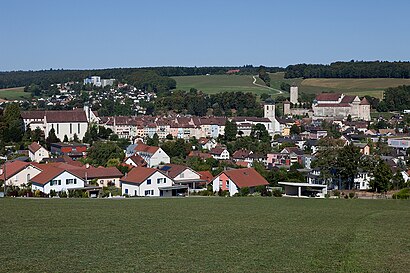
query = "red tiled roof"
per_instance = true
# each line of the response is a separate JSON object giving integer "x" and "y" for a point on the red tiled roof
{"x": 12, "y": 168}
{"x": 246, "y": 177}
{"x": 199, "y": 154}
{"x": 138, "y": 160}
{"x": 34, "y": 147}
{"x": 348, "y": 99}
{"x": 49, "y": 172}
{"x": 57, "y": 116}
{"x": 206, "y": 175}
{"x": 328, "y": 97}
{"x": 242, "y": 163}
{"x": 364, "y": 101}
{"x": 91, "y": 173}
{"x": 138, "y": 175}
{"x": 241, "y": 154}
{"x": 174, "y": 170}
{"x": 141, "y": 147}
{"x": 217, "y": 151}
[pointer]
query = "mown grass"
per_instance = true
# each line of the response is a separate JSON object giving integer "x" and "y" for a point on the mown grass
{"x": 212, "y": 84}
{"x": 205, "y": 235}
{"x": 13, "y": 93}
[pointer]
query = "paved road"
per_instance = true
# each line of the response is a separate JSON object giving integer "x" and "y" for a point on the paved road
{"x": 264, "y": 86}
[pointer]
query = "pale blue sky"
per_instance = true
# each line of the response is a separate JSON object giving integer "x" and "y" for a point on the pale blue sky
{"x": 45, "y": 34}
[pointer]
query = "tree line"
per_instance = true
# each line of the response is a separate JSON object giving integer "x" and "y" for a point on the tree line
{"x": 44, "y": 78}
{"x": 352, "y": 69}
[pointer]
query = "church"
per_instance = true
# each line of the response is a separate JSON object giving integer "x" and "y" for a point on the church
{"x": 337, "y": 105}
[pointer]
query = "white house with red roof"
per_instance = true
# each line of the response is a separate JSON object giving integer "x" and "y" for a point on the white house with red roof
{"x": 58, "y": 179}
{"x": 220, "y": 153}
{"x": 18, "y": 173}
{"x": 154, "y": 156}
{"x": 37, "y": 152}
{"x": 183, "y": 175}
{"x": 149, "y": 182}
{"x": 340, "y": 106}
{"x": 235, "y": 179}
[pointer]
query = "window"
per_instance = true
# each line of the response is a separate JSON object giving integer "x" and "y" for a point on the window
{"x": 58, "y": 129}
{"x": 147, "y": 192}
{"x": 181, "y": 175}
{"x": 126, "y": 191}
{"x": 71, "y": 181}
{"x": 135, "y": 193}
{"x": 71, "y": 128}
{"x": 220, "y": 183}
{"x": 152, "y": 192}
{"x": 227, "y": 184}
{"x": 148, "y": 181}
{"x": 160, "y": 180}
{"x": 55, "y": 182}
{"x": 78, "y": 128}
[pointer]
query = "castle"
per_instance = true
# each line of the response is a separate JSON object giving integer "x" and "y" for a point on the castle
{"x": 340, "y": 106}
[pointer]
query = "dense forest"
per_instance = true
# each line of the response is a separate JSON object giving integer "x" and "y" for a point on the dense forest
{"x": 352, "y": 69}
{"x": 44, "y": 78}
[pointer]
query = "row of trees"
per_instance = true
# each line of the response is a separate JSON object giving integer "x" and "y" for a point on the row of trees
{"x": 198, "y": 103}
{"x": 352, "y": 69}
{"x": 263, "y": 75}
{"x": 156, "y": 76}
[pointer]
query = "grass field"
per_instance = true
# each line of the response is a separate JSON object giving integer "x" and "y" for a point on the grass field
{"x": 217, "y": 83}
{"x": 13, "y": 93}
{"x": 212, "y": 84}
{"x": 204, "y": 235}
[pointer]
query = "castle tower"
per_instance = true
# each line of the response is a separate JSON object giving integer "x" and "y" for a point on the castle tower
{"x": 294, "y": 94}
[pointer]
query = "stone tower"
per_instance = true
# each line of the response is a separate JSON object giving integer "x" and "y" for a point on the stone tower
{"x": 269, "y": 113}
{"x": 286, "y": 107}
{"x": 294, "y": 94}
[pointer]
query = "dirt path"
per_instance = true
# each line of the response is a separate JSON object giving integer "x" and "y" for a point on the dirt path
{"x": 264, "y": 86}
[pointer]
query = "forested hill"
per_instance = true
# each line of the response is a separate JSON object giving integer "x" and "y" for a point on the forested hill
{"x": 352, "y": 69}
{"x": 44, "y": 78}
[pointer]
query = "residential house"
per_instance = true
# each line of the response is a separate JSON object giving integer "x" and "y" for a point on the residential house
{"x": 136, "y": 161}
{"x": 220, "y": 153}
{"x": 57, "y": 179}
{"x": 149, "y": 182}
{"x": 154, "y": 156}
{"x": 362, "y": 180}
{"x": 183, "y": 175}
{"x": 37, "y": 152}
{"x": 104, "y": 177}
{"x": 235, "y": 179}
{"x": 207, "y": 143}
{"x": 17, "y": 173}
{"x": 72, "y": 149}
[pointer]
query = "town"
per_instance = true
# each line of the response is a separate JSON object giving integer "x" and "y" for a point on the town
{"x": 189, "y": 155}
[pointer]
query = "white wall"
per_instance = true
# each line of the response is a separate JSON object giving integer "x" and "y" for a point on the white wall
{"x": 159, "y": 157}
{"x": 63, "y": 187}
{"x": 23, "y": 177}
{"x": 139, "y": 190}
{"x": 187, "y": 174}
{"x": 39, "y": 155}
{"x": 62, "y": 129}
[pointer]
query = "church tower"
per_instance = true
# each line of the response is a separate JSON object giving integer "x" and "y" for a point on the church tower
{"x": 269, "y": 113}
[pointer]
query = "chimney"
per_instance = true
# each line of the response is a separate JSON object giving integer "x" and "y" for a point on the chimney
{"x": 87, "y": 166}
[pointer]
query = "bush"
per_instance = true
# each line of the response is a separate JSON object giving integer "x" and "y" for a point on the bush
{"x": 346, "y": 196}
{"x": 62, "y": 194}
{"x": 403, "y": 194}
{"x": 244, "y": 191}
{"x": 336, "y": 193}
{"x": 277, "y": 193}
{"x": 351, "y": 195}
{"x": 223, "y": 193}
{"x": 53, "y": 193}
{"x": 206, "y": 193}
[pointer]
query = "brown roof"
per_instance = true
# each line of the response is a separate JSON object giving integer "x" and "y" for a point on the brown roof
{"x": 173, "y": 170}
{"x": 101, "y": 172}
{"x": 246, "y": 177}
{"x": 348, "y": 99}
{"x": 138, "y": 175}
{"x": 141, "y": 147}
{"x": 138, "y": 160}
{"x": 333, "y": 105}
{"x": 241, "y": 154}
{"x": 34, "y": 147}
{"x": 12, "y": 168}
{"x": 199, "y": 154}
{"x": 217, "y": 151}
{"x": 328, "y": 97}
{"x": 364, "y": 101}
{"x": 49, "y": 172}
{"x": 57, "y": 116}
{"x": 206, "y": 175}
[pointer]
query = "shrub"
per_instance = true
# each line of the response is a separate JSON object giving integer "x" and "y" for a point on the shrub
{"x": 336, "y": 193}
{"x": 62, "y": 194}
{"x": 53, "y": 193}
{"x": 244, "y": 191}
{"x": 346, "y": 196}
{"x": 351, "y": 195}
{"x": 37, "y": 193}
{"x": 222, "y": 193}
{"x": 403, "y": 194}
{"x": 277, "y": 193}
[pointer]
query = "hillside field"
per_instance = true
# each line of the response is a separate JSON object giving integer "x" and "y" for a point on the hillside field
{"x": 218, "y": 83}
{"x": 13, "y": 93}
{"x": 204, "y": 234}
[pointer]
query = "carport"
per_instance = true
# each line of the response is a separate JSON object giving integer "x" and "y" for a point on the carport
{"x": 307, "y": 190}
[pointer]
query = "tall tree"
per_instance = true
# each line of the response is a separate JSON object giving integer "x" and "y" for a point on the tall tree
{"x": 52, "y": 138}
{"x": 382, "y": 176}
{"x": 231, "y": 130}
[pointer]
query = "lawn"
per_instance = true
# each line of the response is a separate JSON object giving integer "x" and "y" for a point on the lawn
{"x": 13, "y": 93}
{"x": 204, "y": 235}
{"x": 212, "y": 84}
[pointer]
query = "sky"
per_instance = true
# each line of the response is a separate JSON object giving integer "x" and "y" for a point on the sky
{"x": 88, "y": 34}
